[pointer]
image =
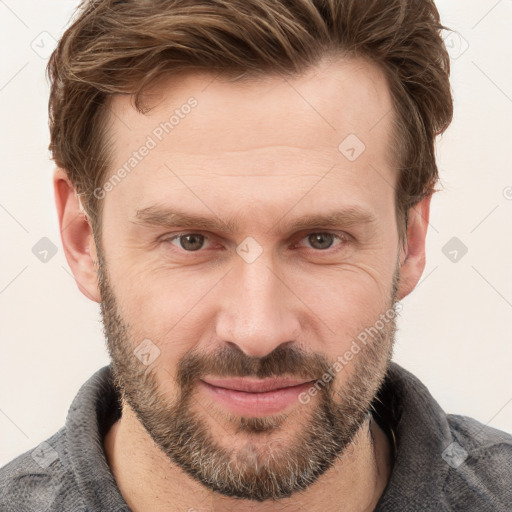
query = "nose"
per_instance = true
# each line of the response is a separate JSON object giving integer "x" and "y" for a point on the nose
{"x": 258, "y": 309}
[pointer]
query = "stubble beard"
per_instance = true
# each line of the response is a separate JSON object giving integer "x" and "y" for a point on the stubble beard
{"x": 263, "y": 463}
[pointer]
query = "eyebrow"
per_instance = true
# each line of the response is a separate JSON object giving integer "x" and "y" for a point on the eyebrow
{"x": 172, "y": 218}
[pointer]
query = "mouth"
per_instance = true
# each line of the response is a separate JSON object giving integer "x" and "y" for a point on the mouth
{"x": 250, "y": 397}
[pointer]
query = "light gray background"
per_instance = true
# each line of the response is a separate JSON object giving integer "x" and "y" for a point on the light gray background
{"x": 454, "y": 331}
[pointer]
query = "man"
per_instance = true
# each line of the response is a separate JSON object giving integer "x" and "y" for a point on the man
{"x": 245, "y": 188}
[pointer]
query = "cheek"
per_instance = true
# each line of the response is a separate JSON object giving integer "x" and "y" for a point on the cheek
{"x": 345, "y": 297}
{"x": 166, "y": 311}
{"x": 176, "y": 307}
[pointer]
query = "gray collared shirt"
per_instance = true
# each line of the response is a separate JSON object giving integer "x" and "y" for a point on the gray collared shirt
{"x": 442, "y": 462}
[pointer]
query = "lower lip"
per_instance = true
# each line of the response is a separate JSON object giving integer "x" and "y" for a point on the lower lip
{"x": 255, "y": 404}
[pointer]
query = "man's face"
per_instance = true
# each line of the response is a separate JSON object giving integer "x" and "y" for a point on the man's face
{"x": 270, "y": 297}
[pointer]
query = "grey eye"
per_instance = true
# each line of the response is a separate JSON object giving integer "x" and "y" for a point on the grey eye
{"x": 190, "y": 242}
{"x": 321, "y": 240}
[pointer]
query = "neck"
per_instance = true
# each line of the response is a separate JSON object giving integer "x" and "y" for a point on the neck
{"x": 148, "y": 480}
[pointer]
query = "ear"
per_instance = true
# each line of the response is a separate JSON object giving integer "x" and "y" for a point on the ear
{"x": 76, "y": 235}
{"x": 412, "y": 257}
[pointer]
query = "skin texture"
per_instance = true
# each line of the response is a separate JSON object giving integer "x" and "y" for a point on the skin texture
{"x": 261, "y": 153}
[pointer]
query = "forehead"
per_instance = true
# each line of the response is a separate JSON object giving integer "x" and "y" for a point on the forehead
{"x": 267, "y": 140}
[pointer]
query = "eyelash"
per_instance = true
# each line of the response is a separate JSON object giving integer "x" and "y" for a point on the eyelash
{"x": 341, "y": 237}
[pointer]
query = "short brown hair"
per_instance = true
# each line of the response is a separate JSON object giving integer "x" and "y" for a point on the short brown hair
{"x": 122, "y": 47}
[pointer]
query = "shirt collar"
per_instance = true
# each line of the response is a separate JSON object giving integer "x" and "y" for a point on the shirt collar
{"x": 422, "y": 432}
{"x": 403, "y": 407}
{"x": 94, "y": 409}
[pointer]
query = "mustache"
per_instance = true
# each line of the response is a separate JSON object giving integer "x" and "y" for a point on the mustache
{"x": 230, "y": 361}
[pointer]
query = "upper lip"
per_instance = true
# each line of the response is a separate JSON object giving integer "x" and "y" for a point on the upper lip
{"x": 254, "y": 386}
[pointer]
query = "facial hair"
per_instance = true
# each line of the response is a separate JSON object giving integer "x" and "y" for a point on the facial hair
{"x": 264, "y": 467}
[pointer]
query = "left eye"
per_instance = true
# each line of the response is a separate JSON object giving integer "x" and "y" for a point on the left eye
{"x": 190, "y": 242}
{"x": 193, "y": 242}
{"x": 322, "y": 241}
